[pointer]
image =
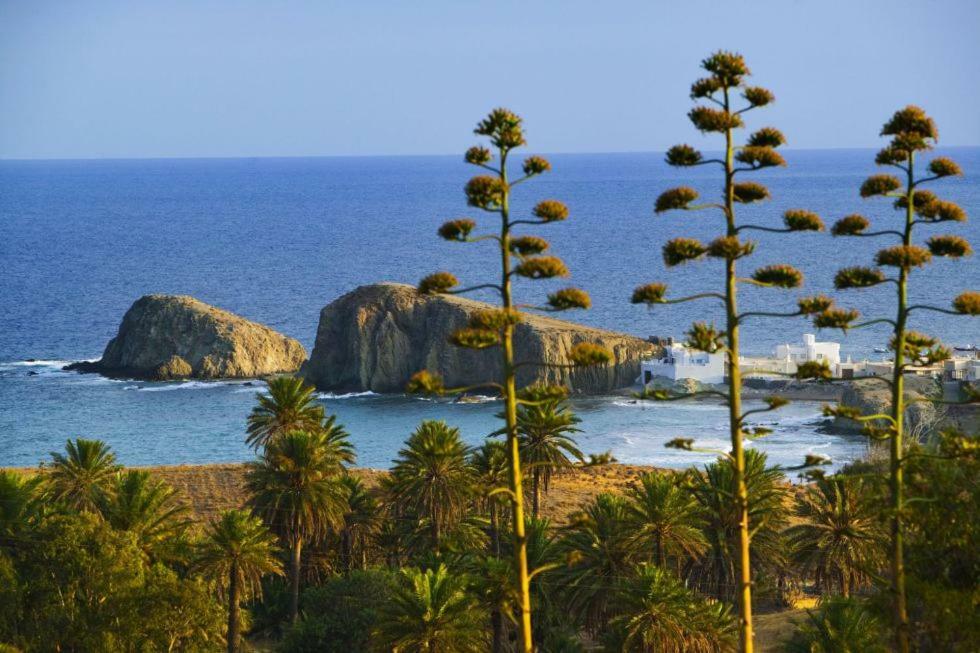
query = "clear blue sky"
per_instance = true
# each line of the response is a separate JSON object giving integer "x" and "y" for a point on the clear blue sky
{"x": 240, "y": 78}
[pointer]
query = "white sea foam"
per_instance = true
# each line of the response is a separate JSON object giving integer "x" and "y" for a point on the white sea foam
{"x": 346, "y": 395}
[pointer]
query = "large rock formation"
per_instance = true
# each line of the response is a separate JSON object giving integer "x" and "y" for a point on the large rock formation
{"x": 377, "y": 336}
{"x": 166, "y": 337}
{"x": 873, "y": 397}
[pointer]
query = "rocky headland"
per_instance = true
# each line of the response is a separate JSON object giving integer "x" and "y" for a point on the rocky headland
{"x": 169, "y": 337}
{"x": 377, "y": 336}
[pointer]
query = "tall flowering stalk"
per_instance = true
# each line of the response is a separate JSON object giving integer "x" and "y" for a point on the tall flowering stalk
{"x": 912, "y": 132}
{"x": 725, "y": 80}
{"x": 520, "y": 257}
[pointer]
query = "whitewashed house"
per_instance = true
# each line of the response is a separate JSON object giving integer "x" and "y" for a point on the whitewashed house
{"x": 679, "y": 362}
{"x": 808, "y": 350}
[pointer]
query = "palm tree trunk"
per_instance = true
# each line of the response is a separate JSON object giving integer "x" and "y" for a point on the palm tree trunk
{"x": 497, "y": 623}
{"x": 294, "y": 575}
{"x": 535, "y": 489}
{"x": 494, "y": 529}
{"x": 234, "y": 618}
{"x": 346, "y": 550}
{"x": 661, "y": 558}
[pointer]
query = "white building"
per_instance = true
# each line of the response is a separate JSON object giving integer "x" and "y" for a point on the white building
{"x": 962, "y": 369}
{"x": 679, "y": 362}
{"x": 808, "y": 350}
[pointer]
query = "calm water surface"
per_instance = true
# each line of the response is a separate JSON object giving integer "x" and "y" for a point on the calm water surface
{"x": 276, "y": 239}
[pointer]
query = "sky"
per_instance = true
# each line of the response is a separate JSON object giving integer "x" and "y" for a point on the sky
{"x": 210, "y": 78}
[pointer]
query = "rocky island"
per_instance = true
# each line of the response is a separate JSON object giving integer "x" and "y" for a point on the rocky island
{"x": 375, "y": 337}
{"x": 169, "y": 337}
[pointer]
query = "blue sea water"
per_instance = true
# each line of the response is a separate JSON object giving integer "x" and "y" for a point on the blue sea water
{"x": 276, "y": 239}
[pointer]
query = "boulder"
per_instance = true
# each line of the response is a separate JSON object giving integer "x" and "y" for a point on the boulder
{"x": 377, "y": 336}
{"x": 167, "y": 337}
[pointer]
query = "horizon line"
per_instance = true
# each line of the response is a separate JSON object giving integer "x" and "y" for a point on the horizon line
{"x": 389, "y": 156}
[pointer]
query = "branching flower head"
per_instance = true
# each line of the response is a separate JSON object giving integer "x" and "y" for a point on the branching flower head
{"x": 949, "y": 246}
{"x": 569, "y": 298}
{"x": 967, "y": 303}
{"x": 911, "y": 120}
{"x": 683, "y": 155}
{"x": 817, "y": 370}
{"x": 493, "y": 319}
{"x": 747, "y": 192}
{"x": 767, "y": 137}
{"x": 801, "y": 220}
{"x": 780, "y": 276}
{"x": 651, "y": 293}
{"x": 942, "y": 211}
{"x": 528, "y": 245}
{"x": 760, "y": 157}
{"x": 586, "y": 354}
{"x": 921, "y": 200}
{"x": 551, "y": 211}
{"x": 679, "y": 250}
{"x": 903, "y": 256}
{"x": 535, "y": 165}
{"x": 675, "y": 198}
{"x": 426, "y": 383}
{"x": 728, "y": 67}
{"x": 542, "y": 267}
{"x": 709, "y": 120}
{"x": 730, "y": 248}
{"x": 437, "y": 282}
{"x": 850, "y": 225}
{"x": 879, "y": 185}
{"x": 542, "y": 393}
{"x": 835, "y": 318}
{"x": 475, "y": 338}
{"x": 503, "y": 127}
{"x": 705, "y": 87}
{"x": 458, "y": 230}
{"x": 478, "y": 155}
{"x": 815, "y": 304}
{"x": 705, "y": 337}
{"x": 684, "y": 444}
{"x": 891, "y": 156}
{"x": 485, "y": 192}
{"x": 945, "y": 167}
{"x": 858, "y": 277}
{"x": 758, "y": 96}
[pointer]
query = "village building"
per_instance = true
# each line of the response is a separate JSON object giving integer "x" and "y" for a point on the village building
{"x": 679, "y": 362}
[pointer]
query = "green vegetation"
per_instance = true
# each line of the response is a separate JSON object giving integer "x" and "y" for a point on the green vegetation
{"x": 912, "y": 133}
{"x": 723, "y": 115}
{"x": 520, "y": 257}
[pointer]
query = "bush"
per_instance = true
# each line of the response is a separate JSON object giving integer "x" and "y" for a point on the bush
{"x": 339, "y": 615}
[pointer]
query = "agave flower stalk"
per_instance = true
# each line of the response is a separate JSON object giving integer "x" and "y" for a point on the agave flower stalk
{"x": 912, "y": 132}
{"x": 726, "y": 79}
{"x": 520, "y": 257}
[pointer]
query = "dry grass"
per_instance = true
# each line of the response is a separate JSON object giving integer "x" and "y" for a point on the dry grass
{"x": 209, "y": 489}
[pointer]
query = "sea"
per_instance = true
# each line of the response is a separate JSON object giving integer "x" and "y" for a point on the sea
{"x": 276, "y": 239}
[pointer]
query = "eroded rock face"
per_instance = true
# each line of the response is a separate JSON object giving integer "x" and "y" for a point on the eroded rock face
{"x": 377, "y": 336}
{"x": 167, "y": 337}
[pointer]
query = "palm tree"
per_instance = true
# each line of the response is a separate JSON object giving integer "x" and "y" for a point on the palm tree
{"x": 489, "y": 464}
{"x": 839, "y": 540}
{"x": 238, "y": 550}
{"x": 432, "y": 479}
{"x": 21, "y": 503}
{"x": 361, "y": 520}
{"x": 839, "y": 626}
{"x": 295, "y": 487}
{"x": 667, "y": 519}
{"x": 543, "y": 433}
{"x": 148, "y": 508}
{"x": 431, "y": 612}
{"x": 494, "y": 584}
{"x": 337, "y": 437}
{"x": 599, "y": 546}
{"x": 83, "y": 474}
{"x": 655, "y": 612}
{"x": 766, "y": 494}
{"x": 289, "y": 406}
